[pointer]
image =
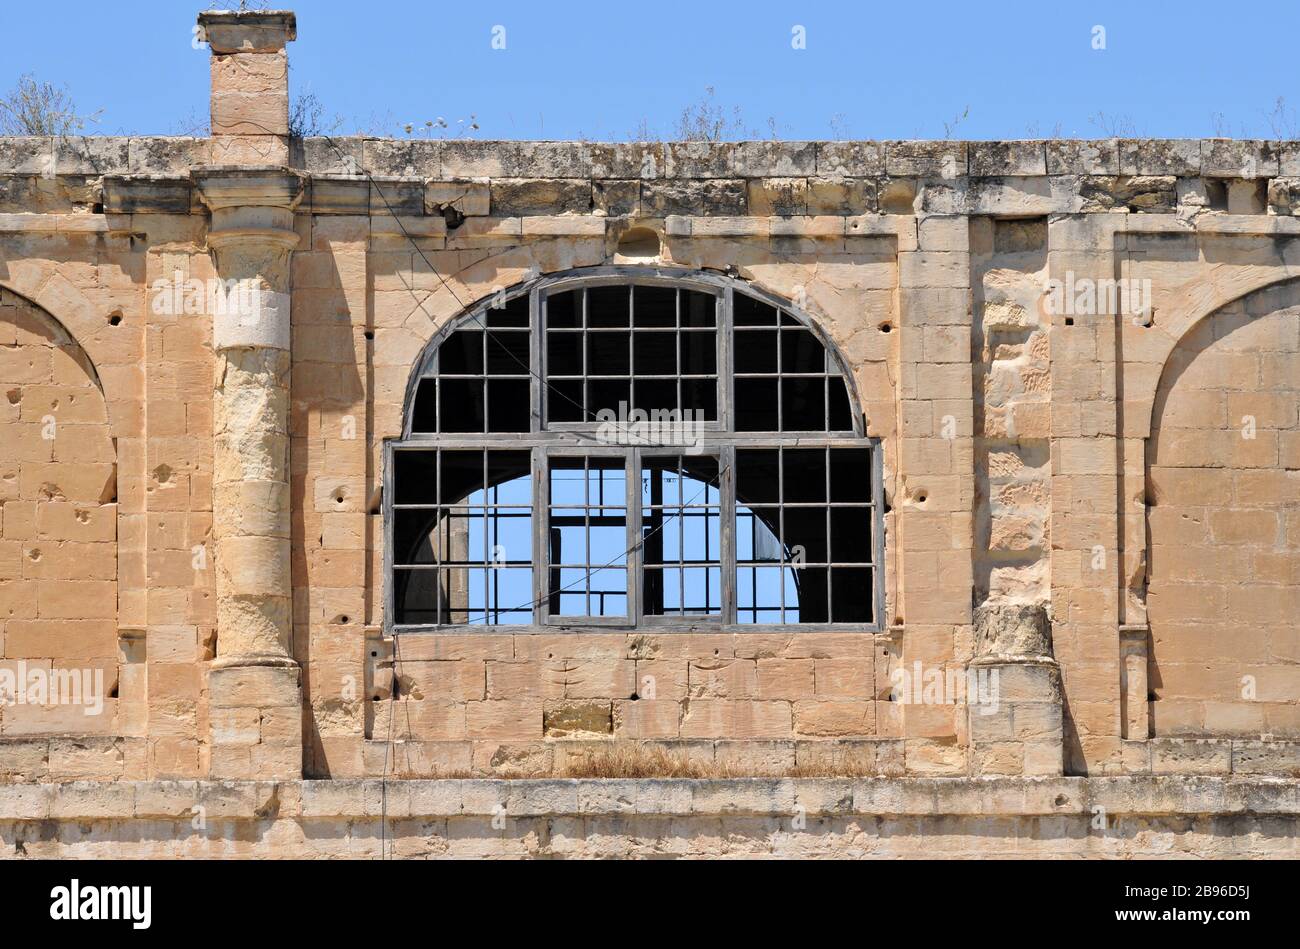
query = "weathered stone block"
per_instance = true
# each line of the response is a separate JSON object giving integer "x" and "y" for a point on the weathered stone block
{"x": 1152, "y": 194}
{"x": 1013, "y": 630}
{"x": 1007, "y": 158}
{"x": 512, "y": 197}
{"x": 254, "y": 687}
{"x": 700, "y": 197}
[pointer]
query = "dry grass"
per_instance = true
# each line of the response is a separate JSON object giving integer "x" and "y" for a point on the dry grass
{"x": 632, "y": 761}
{"x": 844, "y": 766}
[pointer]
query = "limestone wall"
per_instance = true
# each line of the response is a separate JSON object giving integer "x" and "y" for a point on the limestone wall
{"x": 1057, "y": 343}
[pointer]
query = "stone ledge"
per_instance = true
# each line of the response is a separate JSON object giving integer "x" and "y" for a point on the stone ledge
{"x": 1138, "y": 796}
{"x": 128, "y": 197}
{"x": 463, "y": 158}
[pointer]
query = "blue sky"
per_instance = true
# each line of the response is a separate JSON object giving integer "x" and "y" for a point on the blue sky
{"x": 600, "y": 70}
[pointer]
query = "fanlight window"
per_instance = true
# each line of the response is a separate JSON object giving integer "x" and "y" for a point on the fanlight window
{"x": 617, "y": 451}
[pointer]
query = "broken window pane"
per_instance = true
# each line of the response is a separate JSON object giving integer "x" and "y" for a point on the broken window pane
{"x": 654, "y": 306}
{"x": 424, "y": 417}
{"x": 464, "y": 405}
{"x": 462, "y": 354}
{"x": 698, "y": 310}
{"x": 515, "y": 313}
{"x": 564, "y": 310}
{"x": 608, "y": 306}
{"x": 758, "y": 405}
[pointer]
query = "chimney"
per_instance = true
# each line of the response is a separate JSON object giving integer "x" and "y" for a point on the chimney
{"x": 250, "y": 85}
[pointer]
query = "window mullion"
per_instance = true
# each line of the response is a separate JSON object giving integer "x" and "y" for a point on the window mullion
{"x": 726, "y": 370}
{"x": 727, "y": 496}
{"x": 636, "y": 559}
{"x": 780, "y": 519}
{"x": 683, "y": 523}
{"x": 831, "y": 573}
{"x": 536, "y": 395}
{"x": 389, "y": 521}
{"x": 541, "y": 535}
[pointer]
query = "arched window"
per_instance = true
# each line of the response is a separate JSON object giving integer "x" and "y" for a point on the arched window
{"x": 618, "y": 449}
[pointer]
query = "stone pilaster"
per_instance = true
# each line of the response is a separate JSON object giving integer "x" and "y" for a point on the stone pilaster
{"x": 254, "y": 686}
{"x": 1134, "y": 656}
{"x": 250, "y": 85}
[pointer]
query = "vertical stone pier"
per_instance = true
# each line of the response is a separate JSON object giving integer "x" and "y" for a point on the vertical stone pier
{"x": 250, "y": 85}
{"x": 254, "y": 686}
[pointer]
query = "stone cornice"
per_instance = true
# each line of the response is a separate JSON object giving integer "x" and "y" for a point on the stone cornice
{"x": 698, "y": 189}
{"x": 466, "y": 159}
{"x": 148, "y": 194}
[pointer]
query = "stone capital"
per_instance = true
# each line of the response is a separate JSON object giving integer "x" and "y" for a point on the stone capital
{"x": 251, "y": 236}
{"x": 250, "y": 206}
{"x": 247, "y": 31}
{"x": 226, "y": 187}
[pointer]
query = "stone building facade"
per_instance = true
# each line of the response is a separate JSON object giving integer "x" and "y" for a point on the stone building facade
{"x": 1074, "y": 368}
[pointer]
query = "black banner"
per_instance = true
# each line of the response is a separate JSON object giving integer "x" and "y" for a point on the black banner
{"x": 908, "y": 899}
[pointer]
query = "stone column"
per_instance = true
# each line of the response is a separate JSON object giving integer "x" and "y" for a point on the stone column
{"x": 1014, "y": 698}
{"x": 254, "y": 684}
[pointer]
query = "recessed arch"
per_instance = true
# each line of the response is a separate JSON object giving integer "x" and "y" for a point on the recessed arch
{"x": 58, "y": 488}
{"x": 1223, "y": 522}
{"x": 1198, "y": 300}
{"x": 57, "y": 329}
